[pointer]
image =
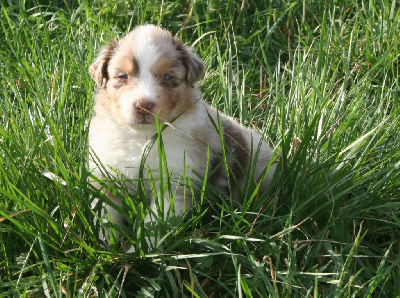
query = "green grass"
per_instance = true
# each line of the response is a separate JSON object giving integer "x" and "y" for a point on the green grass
{"x": 321, "y": 79}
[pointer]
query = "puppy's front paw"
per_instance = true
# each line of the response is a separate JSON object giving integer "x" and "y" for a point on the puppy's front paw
{"x": 131, "y": 250}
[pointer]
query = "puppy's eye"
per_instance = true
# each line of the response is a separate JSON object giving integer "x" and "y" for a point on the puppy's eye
{"x": 122, "y": 76}
{"x": 168, "y": 77}
{"x": 170, "y": 81}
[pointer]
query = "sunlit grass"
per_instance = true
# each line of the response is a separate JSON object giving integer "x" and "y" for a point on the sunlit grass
{"x": 321, "y": 81}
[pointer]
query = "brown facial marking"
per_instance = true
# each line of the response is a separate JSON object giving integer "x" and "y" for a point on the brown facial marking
{"x": 175, "y": 96}
{"x": 124, "y": 65}
{"x": 169, "y": 71}
{"x": 193, "y": 65}
{"x": 122, "y": 69}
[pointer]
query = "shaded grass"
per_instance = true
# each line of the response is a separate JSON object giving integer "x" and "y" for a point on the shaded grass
{"x": 322, "y": 80}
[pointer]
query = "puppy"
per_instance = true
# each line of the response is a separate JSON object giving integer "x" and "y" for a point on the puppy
{"x": 149, "y": 75}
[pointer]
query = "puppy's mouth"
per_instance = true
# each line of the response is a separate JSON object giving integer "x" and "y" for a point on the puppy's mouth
{"x": 145, "y": 119}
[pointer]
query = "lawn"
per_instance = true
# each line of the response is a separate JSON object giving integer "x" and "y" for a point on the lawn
{"x": 320, "y": 80}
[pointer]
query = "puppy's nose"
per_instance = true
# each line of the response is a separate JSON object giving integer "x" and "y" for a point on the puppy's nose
{"x": 144, "y": 107}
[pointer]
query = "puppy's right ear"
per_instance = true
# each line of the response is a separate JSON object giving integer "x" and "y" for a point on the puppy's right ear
{"x": 98, "y": 70}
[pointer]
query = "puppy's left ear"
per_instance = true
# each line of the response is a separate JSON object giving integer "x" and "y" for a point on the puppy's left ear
{"x": 99, "y": 68}
{"x": 193, "y": 64}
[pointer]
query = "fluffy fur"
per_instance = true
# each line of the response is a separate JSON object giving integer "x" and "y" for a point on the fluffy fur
{"x": 147, "y": 73}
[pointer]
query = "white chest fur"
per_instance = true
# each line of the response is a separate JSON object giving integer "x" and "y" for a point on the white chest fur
{"x": 122, "y": 148}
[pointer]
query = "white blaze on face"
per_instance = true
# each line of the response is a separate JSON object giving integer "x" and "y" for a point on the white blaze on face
{"x": 146, "y": 54}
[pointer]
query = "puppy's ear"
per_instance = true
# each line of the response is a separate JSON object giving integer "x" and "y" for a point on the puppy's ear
{"x": 98, "y": 70}
{"x": 193, "y": 64}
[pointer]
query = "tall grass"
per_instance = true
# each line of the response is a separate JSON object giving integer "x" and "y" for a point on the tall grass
{"x": 320, "y": 80}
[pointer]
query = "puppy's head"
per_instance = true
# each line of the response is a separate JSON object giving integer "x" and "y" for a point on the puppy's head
{"x": 146, "y": 73}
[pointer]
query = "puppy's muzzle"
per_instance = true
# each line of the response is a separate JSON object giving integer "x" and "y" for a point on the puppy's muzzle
{"x": 144, "y": 107}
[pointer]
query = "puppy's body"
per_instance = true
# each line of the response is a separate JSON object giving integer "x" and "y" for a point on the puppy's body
{"x": 149, "y": 74}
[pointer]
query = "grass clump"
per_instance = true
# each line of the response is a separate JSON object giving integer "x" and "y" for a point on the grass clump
{"x": 320, "y": 79}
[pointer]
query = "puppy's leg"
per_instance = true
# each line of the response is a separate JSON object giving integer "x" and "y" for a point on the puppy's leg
{"x": 154, "y": 216}
{"x": 150, "y": 217}
{"x": 109, "y": 214}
